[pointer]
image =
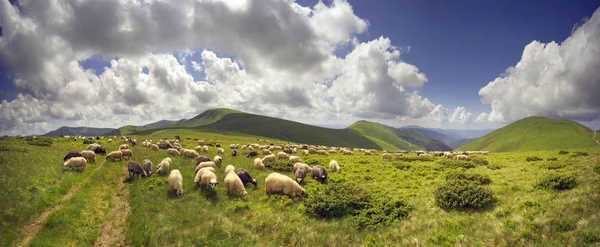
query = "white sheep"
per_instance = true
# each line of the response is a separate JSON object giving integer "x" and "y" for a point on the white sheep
{"x": 190, "y": 153}
{"x": 294, "y": 159}
{"x": 172, "y": 151}
{"x": 283, "y": 156}
{"x": 234, "y": 184}
{"x": 258, "y": 164}
{"x": 203, "y": 165}
{"x": 114, "y": 155}
{"x": 127, "y": 153}
{"x": 304, "y": 152}
{"x": 123, "y": 146}
{"x": 89, "y": 155}
{"x": 368, "y": 152}
{"x": 154, "y": 147}
{"x": 386, "y": 156}
{"x": 229, "y": 168}
{"x": 220, "y": 151}
{"x": 207, "y": 178}
{"x": 164, "y": 166}
{"x": 321, "y": 152}
{"x": 176, "y": 182}
{"x": 334, "y": 166}
{"x": 266, "y": 152}
{"x": 281, "y": 184}
{"x": 268, "y": 158}
{"x": 205, "y": 148}
{"x": 76, "y": 162}
{"x": 218, "y": 160}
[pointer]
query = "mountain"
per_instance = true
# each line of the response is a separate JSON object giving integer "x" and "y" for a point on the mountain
{"x": 457, "y": 144}
{"x": 207, "y": 117}
{"x": 132, "y": 129}
{"x": 84, "y": 131}
{"x": 449, "y": 137}
{"x": 392, "y": 139}
{"x": 162, "y": 123}
{"x": 535, "y": 133}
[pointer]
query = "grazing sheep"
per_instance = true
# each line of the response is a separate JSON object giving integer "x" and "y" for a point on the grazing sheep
{"x": 229, "y": 168}
{"x": 281, "y": 184}
{"x": 71, "y": 155}
{"x": 300, "y": 174}
{"x": 109, "y": 140}
{"x": 176, "y": 182}
{"x": 304, "y": 152}
{"x": 203, "y": 165}
{"x": 258, "y": 164}
{"x": 164, "y": 166}
{"x": 332, "y": 151}
{"x": 115, "y": 155}
{"x": 234, "y": 153}
{"x": 220, "y": 151}
{"x": 234, "y": 185}
{"x": 172, "y": 151}
{"x": 154, "y": 147}
{"x": 89, "y": 155}
{"x": 266, "y": 152}
{"x": 127, "y": 153}
{"x": 321, "y": 152}
{"x": 386, "y": 156}
{"x": 334, "y": 166}
{"x": 298, "y": 165}
{"x": 100, "y": 150}
{"x": 190, "y": 153}
{"x": 218, "y": 160}
{"x": 422, "y": 154}
{"x": 202, "y": 159}
{"x": 92, "y": 146}
{"x": 461, "y": 157}
{"x": 319, "y": 173}
{"x": 135, "y": 169}
{"x": 123, "y": 146}
{"x": 147, "y": 165}
{"x": 165, "y": 145}
{"x": 76, "y": 162}
{"x": 205, "y": 148}
{"x": 282, "y": 156}
{"x": 252, "y": 154}
{"x": 294, "y": 159}
{"x": 268, "y": 158}
{"x": 368, "y": 152}
{"x": 245, "y": 176}
{"x": 207, "y": 178}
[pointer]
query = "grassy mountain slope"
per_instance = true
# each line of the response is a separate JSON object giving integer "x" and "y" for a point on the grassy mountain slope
{"x": 535, "y": 133}
{"x": 132, "y": 129}
{"x": 84, "y": 131}
{"x": 459, "y": 143}
{"x": 286, "y": 130}
{"x": 398, "y": 138}
{"x": 207, "y": 117}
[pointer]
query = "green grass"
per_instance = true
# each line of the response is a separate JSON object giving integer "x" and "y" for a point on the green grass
{"x": 207, "y": 117}
{"x": 521, "y": 214}
{"x": 535, "y": 133}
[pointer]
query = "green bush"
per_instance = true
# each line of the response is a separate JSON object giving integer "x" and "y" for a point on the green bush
{"x": 471, "y": 177}
{"x": 553, "y": 165}
{"x": 552, "y": 159}
{"x": 579, "y": 154}
{"x": 557, "y": 182}
{"x": 533, "y": 158}
{"x": 381, "y": 213}
{"x": 597, "y": 169}
{"x": 462, "y": 195}
{"x": 88, "y": 141}
{"x": 40, "y": 141}
{"x": 402, "y": 165}
{"x": 494, "y": 167}
{"x": 446, "y": 163}
{"x": 415, "y": 158}
{"x": 480, "y": 161}
{"x": 279, "y": 166}
{"x": 563, "y": 152}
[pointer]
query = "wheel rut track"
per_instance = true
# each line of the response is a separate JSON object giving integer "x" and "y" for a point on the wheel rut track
{"x": 113, "y": 233}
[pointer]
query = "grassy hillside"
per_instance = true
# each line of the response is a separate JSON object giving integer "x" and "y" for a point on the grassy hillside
{"x": 398, "y": 138}
{"x": 84, "y": 131}
{"x": 287, "y": 130}
{"x": 207, "y": 117}
{"x": 460, "y": 143}
{"x": 79, "y": 208}
{"x": 535, "y": 133}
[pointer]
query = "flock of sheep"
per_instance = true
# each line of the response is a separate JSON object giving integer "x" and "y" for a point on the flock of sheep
{"x": 235, "y": 180}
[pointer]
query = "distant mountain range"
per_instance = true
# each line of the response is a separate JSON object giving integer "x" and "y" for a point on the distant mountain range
{"x": 454, "y": 138}
{"x": 84, "y": 131}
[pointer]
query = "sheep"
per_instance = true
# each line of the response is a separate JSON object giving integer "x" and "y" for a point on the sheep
{"x": 282, "y": 156}
{"x": 294, "y": 159}
{"x": 71, "y": 155}
{"x": 244, "y": 147}
{"x": 172, "y": 151}
{"x": 176, "y": 182}
{"x": 147, "y": 166}
{"x": 100, "y": 150}
{"x": 266, "y": 152}
{"x": 386, "y": 156}
{"x": 229, "y": 168}
{"x": 234, "y": 153}
{"x": 281, "y": 184}
{"x": 154, "y": 147}
{"x": 115, "y": 155}
{"x": 300, "y": 174}
{"x": 334, "y": 166}
{"x": 321, "y": 152}
{"x": 205, "y": 148}
{"x": 461, "y": 157}
{"x": 268, "y": 158}
{"x": 258, "y": 164}
{"x": 422, "y": 154}
{"x": 198, "y": 149}
{"x": 123, "y": 146}
{"x": 204, "y": 164}
{"x": 207, "y": 178}
{"x": 332, "y": 151}
{"x": 234, "y": 185}
{"x": 164, "y": 166}
{"x": 92, "y": 146}
{"x": 252, "y": 154}
{"x": 202, "y": 159}
{"x": 319, "y": 173}
{"x": 109, "y": 140}
{"x": 220, "y": 151}
{"x": 245, "y": 176}
{"x": 218, "y": 160}
{"x": 231, "y": 146}
{"x": 89, "y": 155}
{"x": 368, "y": 152}
{"x": 135, "y": 169}
{"x": 218, "y": 145}
{"x": 76, "y": 162}
{"x": 298, "y": 165}
{"x": 164, "y": 145}
{"x": 127, "y": 153}
{"x": 190, "y": 153}
{"x": 304, "y": 152}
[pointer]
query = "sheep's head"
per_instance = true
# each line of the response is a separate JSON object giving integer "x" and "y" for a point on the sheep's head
{"x": 66, "y": 163}
{"x": 213, "y": 184}
{"x": 254, "y": 182}
{"x": 179, "y": 192}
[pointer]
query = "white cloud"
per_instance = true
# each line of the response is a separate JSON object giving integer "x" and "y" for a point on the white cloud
{"x": 461, "y": 116}
{"x": 554, "y": 80}
{"x": 282, "y": 63}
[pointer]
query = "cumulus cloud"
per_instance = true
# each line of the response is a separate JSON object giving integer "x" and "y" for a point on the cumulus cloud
{"x": 461, "y": 116}
{"x": 551, "y": 79}
{"x": 279, "y": 60}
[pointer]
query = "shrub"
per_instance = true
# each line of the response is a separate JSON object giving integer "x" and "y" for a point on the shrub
{"x": 557, "y": 182}
{"x": 553, "y": 165}
{"x": 88, "y": 141}
{"x": 40, "y": 141}
{"x": 415, "y": 158}
{"x": 279, "y": 166}
{"x": 563, "y": 225}
{"x": 494, "y": 167}
{"x": 579, "y": 154}
{"x": 563, "y": 152}
{"x": 597, "y": 169}
{"x": 462, "y": 195}
{"x": 480, "y": 161}
{"x": 402, "y": 165}
{"x": 552, "y": 159}
{"x": 446, "y": 163}
{"x": 533, "y": 158}
{"x": 471, "y": 177}
{"x": 381, "y": 213}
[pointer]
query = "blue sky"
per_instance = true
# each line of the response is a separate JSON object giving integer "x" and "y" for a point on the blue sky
{"x": 459, "y": 46}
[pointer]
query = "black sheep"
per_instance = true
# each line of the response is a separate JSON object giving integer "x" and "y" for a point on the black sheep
{"x": 71, "y": 155}
{"x": 319, "y": 173}
{"x": 164, "y": 145}
{"x": 135, "y": 169}
{"x": 245, "y": 176}
{"x": 202, "y": 159}
{"x": 100, "y": 150}
{"x": 234, "y": 153}
{"x": 252, "y": 154}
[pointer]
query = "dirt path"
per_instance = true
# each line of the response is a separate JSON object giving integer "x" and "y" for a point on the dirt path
{"x": 594, "y": 137}
{"x": 30, "y": 230}
{"x": 113, "y": 233}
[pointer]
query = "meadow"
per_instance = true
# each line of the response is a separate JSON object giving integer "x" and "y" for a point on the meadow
{"x": 95, "y": 207}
